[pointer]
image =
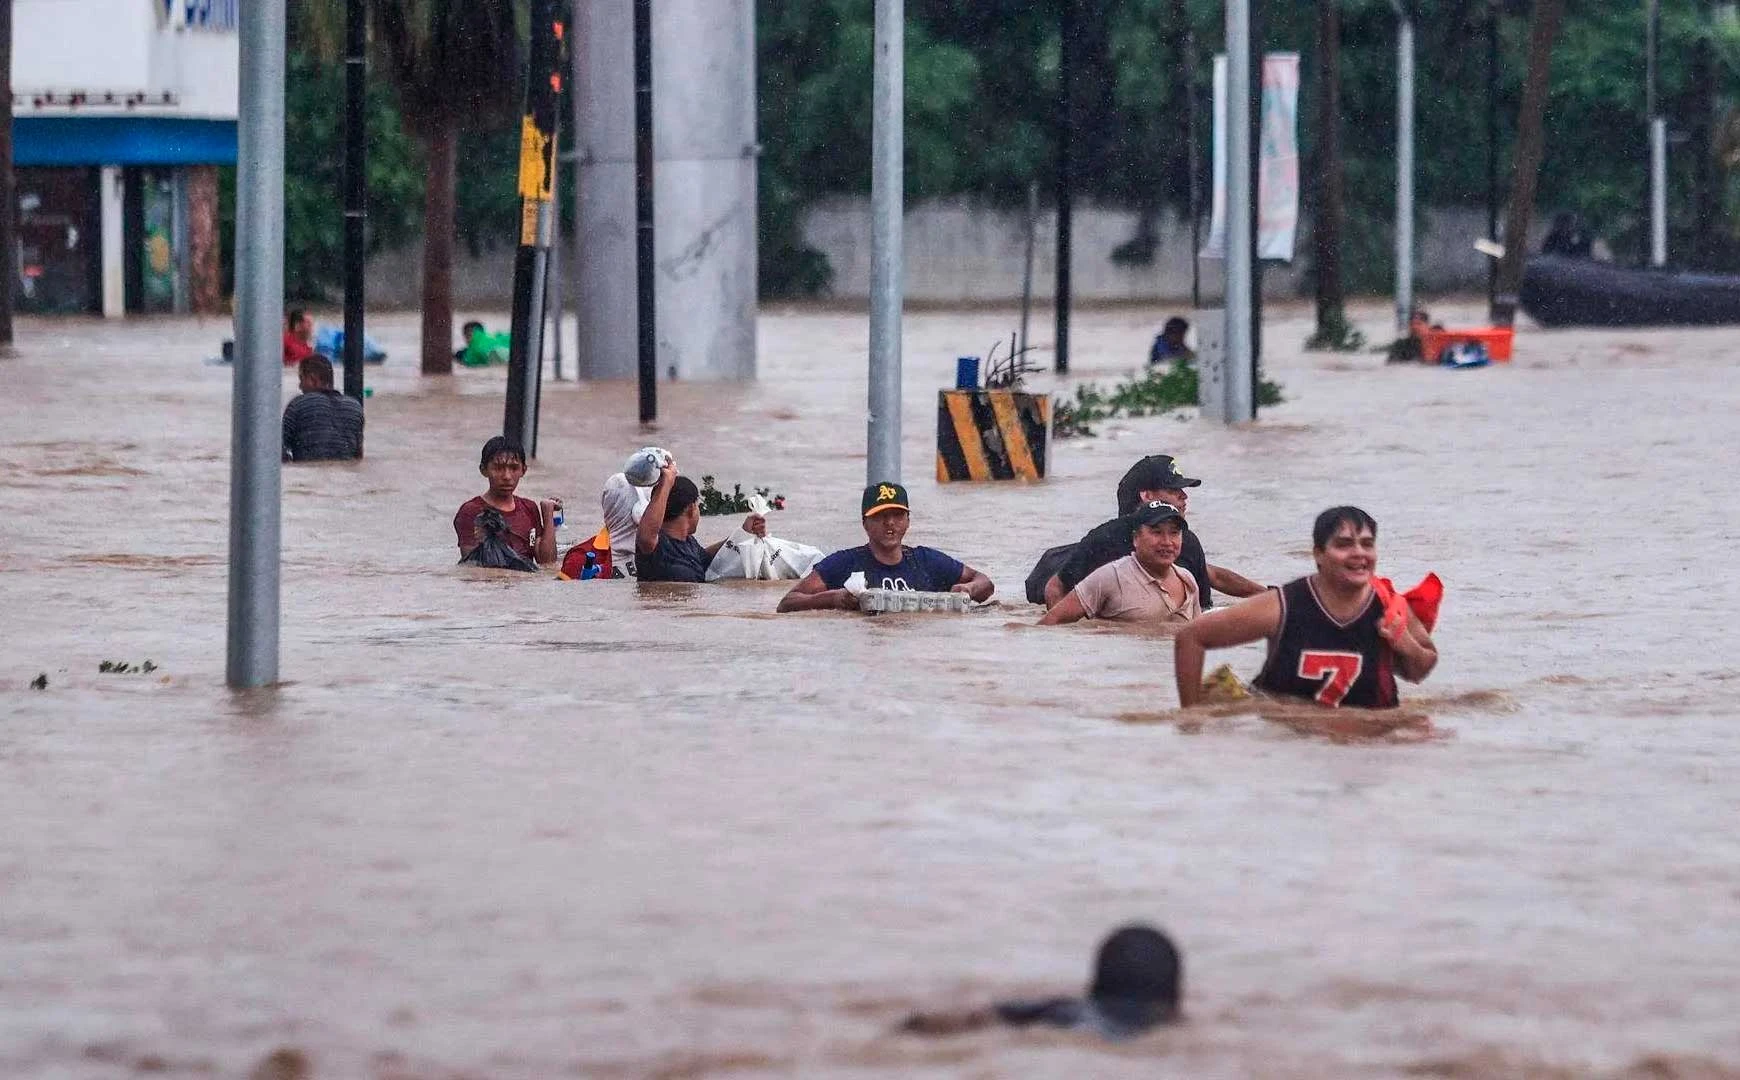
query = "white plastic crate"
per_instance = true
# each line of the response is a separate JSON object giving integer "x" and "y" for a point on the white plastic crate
{"x": 879, "y": 601}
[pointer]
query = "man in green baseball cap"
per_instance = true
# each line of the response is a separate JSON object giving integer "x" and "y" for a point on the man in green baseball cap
{"x": 885, "y": 562}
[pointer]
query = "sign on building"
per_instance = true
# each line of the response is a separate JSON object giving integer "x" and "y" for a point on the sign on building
{"x": 215, "y": 15}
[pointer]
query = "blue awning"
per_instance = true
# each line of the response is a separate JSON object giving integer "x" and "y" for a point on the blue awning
{"x": 122, "y": 140}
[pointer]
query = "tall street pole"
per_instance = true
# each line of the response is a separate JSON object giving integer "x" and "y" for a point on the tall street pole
{"x": 8, "y": 197}
{"x": 356, "y": 212}
{"x": 256, "y": 435}
{"x": 646, "y": 284}
{"x": 537, "y": 186}
{"x": 1186, "y": 32}
{"x": 1657, "y": 137}
{"x": 1492, "y": 144}
{"x": 1240, "y": 233}
{"x": 1404, "y": 167}
{"x": 1065, "y": 177}
{"x": 887, "y": 214}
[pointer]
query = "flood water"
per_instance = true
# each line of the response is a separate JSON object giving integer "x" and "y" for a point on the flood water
{"x": 496, "y": 825}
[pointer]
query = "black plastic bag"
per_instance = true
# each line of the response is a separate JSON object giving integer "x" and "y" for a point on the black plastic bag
{"x": 494, "y": 552}
{"x": 1045, "y": 569}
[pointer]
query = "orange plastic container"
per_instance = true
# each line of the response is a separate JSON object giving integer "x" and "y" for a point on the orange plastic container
{"x": 1496, "y": 339}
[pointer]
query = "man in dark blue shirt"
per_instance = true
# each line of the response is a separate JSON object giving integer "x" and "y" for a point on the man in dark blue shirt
{"x": 885, "y": 562}
{"x": 664, "y": 544}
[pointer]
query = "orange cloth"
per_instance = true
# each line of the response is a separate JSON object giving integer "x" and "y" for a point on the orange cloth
{"x": 1423, "y": 600}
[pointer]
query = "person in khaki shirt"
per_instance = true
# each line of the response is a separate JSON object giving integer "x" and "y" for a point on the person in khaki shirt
{"x": 1146, "y": 586}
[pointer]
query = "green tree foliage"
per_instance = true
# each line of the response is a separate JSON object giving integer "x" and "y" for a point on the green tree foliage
{"x": 981, "y": 108}
{"x": 981, "y": 120}
{"x": 314, "y": 175}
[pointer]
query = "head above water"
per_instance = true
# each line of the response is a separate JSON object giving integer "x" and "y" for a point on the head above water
{"x": 1148, "y": 479}
{"x": 1331, "y": 521}
{"x": 1344, "y": 546}
{"x": 465, "y": 331}
{"x": 887, "y": 515}
{"x": 1158, "y": 538}
{"x": 314, "y": 373}
{"x": 684, "y": 497}
{"x": 1175, "y": 329}
{"x": 500, "y": 447}
{"x": 1139, "y": 975}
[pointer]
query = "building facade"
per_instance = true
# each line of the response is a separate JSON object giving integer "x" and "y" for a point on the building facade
{"x": 124, "y": 112}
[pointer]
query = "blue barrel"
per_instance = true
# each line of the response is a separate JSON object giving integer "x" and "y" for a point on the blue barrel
{"x": 966, "y": 373}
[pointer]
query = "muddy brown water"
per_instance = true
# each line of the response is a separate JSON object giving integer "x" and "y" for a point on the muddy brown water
{"x": 500, "y": 826}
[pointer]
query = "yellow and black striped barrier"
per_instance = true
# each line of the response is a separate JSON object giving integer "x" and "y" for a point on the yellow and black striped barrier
{"x": 991, "y": 435}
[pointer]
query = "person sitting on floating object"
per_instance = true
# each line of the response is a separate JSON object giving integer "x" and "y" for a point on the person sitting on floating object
{"x": 1169, "y": 344}
{"x": 321, "y": 424}
{"x": 1138, "y": 977}
{"x": 1154, "y": 478}
{"x": 664, "y": 544}
{"x": 530, "y": 526}
{"x": 1146, "y": 586}
{"x": 885, "y": 561}
{"x": 1337, "y": 637}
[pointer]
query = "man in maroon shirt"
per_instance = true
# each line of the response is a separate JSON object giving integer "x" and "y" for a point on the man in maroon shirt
{"x": 531, "y": 529}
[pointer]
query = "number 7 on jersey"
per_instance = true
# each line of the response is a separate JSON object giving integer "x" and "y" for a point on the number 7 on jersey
{"x": 1338, "y": 670}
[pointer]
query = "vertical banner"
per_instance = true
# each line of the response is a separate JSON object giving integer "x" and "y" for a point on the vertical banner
{"x": 1215, "y": 246}
{"x": 1277, "y": 161}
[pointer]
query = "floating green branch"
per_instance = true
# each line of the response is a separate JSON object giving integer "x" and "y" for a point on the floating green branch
{"x": 1154, "y": 392}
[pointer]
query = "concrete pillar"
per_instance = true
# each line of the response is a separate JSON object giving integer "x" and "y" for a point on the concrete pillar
{"x": 111, "y": 200}
{"x": 704, "y": 138}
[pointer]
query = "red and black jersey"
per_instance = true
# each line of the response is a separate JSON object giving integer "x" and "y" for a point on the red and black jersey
{"x": 1332, "y": 663}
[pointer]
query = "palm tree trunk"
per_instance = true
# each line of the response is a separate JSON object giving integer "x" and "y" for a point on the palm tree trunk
{"x": 1526, "y": 161}
{"x": 440, "y": 144}
{"x": 1331, "y": 301}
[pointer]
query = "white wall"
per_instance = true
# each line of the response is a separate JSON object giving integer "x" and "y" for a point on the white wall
{"x": 123, "y": 46}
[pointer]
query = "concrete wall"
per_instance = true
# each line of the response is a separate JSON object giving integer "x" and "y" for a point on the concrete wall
{"x": 961, "y": 251}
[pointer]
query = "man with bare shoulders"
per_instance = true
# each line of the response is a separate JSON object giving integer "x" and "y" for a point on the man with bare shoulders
{"x": 1332, "y": 639}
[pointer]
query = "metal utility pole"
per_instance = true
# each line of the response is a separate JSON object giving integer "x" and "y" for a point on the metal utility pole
{"x": 1657, "y": 138}
{"x": 256, "y": 439}
{"x": 1492, "y": 144}
{"x": 646, "y": 292}
{"x": 887, "y": 213}
{"x": 1258, "y": 63}
{"x": 1404, "y": 166}
{"x": 1027, "y": 264}
{"x": 1065, "y": 177}
{"x": 356, "y": 212}
{"x": 8, "y": 197}
{"x": 1187, "y": 67}
{"x": 1331, "y": 205}
{"x": 537, "y": 185}
{"x": 1240, "y": 233}
{"x": 1526, "y": 161}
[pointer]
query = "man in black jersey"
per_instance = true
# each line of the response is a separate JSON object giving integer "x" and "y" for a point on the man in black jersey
{"x": 1332, "y": 639}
